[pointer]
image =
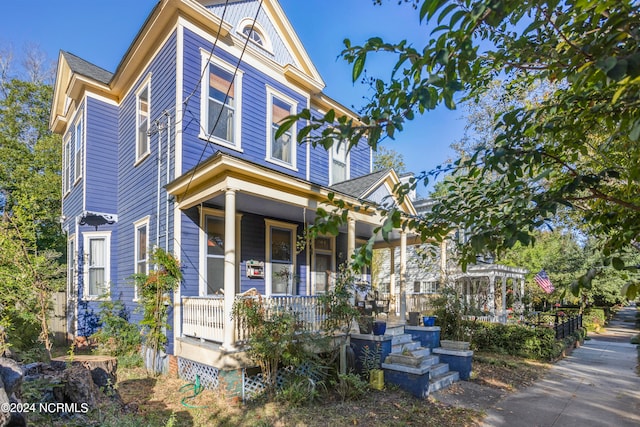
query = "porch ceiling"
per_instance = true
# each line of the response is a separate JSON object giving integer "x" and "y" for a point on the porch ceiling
{"x": 262, "y": 191}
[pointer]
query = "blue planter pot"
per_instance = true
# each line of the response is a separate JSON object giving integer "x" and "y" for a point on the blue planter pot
{"x": 379, "y": 327}
{"x": 428, "y": 320}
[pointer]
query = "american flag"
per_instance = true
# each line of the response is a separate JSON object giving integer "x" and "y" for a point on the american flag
{"x": 543, "y": 281}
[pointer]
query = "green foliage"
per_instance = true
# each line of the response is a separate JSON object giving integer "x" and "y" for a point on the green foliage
{"x": 370, "y": 359}
{"x": 350, "y": 387}
{"x": 386, "y": 158}
{"x": 275, "y": 337}
{"x": 117, "y": 336}
{"x": 516, "y": 340}
{"x": 156, "y": 290}
{"x": 449, "y": 310}
{"x": 338, "y": 302}
{"x": 593, "y": 319}
{"x": 298, "y": 390}
{"x": 569, "y": 143}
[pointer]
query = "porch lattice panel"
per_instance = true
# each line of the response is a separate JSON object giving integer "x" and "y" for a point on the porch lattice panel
{"x": 188, "y": 369}
{"x": 254, "y": 385}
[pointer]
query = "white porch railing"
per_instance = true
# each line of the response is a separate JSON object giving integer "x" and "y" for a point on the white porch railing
{"x": 203, "y": 317}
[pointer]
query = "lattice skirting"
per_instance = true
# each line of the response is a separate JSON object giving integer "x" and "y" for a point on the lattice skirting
{"x": 252, "y": 386}
{"x": 209, "y": 376}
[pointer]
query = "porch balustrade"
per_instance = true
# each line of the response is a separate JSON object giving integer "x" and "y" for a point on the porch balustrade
{"x": 203, "y": 317}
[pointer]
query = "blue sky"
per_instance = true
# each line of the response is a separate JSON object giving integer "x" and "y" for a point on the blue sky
{"x": 101, "y": 31}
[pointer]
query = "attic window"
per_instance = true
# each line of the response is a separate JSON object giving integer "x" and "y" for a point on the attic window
{"x": 253, "y": 35}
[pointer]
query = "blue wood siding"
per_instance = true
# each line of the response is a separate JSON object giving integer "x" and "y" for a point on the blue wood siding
{"x": 138, "y": 183}
{"x": 102, "y": 153}
{"x": 72, "y": 203}
{"x": 254, "y": 110}
{"x": 190, "y": 252}
{"x": 360, "y": 158}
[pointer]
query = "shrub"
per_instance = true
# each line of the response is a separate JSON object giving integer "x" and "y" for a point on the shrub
{"x": 593, "y": 319}
{"x": 517, "y": 340}
{"x": 298, "y": 390}
{"x": 351, "y": 386}
{"x": 117, "y": 336}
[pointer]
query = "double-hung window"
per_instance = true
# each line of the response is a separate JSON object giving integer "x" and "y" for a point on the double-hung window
{"x": 221, "y": 106}
{"x": 281, "y": 150}
{"x": 97, "y": 249}
{"x": 281, "y": 256}
{"x": 79, "y": 137}
{"x": 141, "y": 256}
{"x": 142, "y": 122}
{"x": 339, "y": 169}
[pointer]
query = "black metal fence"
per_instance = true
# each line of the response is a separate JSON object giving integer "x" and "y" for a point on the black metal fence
{"x": 567, "y": 325}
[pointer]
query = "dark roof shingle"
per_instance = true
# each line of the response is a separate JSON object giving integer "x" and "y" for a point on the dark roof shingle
{"x": 87, "y": 69}
{"x": 358, "y": 186}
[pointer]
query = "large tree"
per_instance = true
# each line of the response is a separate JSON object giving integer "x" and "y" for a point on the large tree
{"x": 575, "y": 148}
{"x": 31, "y": 241}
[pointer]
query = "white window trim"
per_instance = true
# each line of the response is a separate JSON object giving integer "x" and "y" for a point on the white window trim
{"x": 145, "y": 85}
{"x": 248, "y": 22}
{"x": 237, "y": 107}
{"x": 143, "y": 222}
{"x": 271, "y": 92}
{"x": 347, "y": 160}
{"x": 204, "y": 213}
{"x": 317, "y": 251}
{"x": 72, "y": 264}
{"x": 87, "y": 236}
{"x": 78, "y": 177}
{"x": 66, "y": 166}
{"x": 269, "y": 224}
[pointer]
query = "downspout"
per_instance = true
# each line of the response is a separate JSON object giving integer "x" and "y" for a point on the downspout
{"x": 158, "y": 188}
{"x": 166, "y": 231}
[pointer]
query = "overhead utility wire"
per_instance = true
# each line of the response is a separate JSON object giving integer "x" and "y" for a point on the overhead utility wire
{"x": 204, "y": 148}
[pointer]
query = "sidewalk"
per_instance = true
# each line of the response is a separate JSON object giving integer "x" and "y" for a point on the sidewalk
{"x": 597, "y": 385}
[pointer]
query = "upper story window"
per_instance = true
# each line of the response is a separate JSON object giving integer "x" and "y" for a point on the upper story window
{"x": 142, "y": 122}
{"x": 222, "y": 105}
{"x": 79, "y": 138}
{"x": 339, "y": 164}
{"x": 280, "y": 150}
{"x": 253, "y": 35}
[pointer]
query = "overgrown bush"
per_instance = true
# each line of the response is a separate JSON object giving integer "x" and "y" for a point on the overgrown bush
{"x": 275, "y": 337}
{"x": 299, "y": 390}
{"x": 516, "y": 340}
{"x": 117, "y": 336}
{"x": 350, "y": 386}
{"x": 593, "y": 319}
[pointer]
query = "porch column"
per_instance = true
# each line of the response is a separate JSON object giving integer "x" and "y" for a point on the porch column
{"x": 403, "y": 278}
{"x": 351, "y": 237}
{"x": 491, "y": 298}
{"x": 229, "y": 339}
{"x": 392, "y": 278}
{"x": 504, "y": 300}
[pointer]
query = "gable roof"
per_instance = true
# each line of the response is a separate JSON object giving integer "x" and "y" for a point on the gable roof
{"x": 85, "y": 68}
{"x": 370, "y": 187}
{"x": 359, "y": 187}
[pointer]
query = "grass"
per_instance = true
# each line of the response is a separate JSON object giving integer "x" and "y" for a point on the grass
{"x": 156, "y": 401}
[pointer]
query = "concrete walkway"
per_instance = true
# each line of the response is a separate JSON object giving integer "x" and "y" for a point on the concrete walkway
{"x": 597, "y": 385}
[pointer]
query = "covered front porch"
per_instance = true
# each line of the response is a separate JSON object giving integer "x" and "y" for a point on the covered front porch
{"x": 242, "y": 230}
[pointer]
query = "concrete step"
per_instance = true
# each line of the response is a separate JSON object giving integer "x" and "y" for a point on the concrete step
{"x": 442, "y": 381}
{"x": 438, "y": 369}
{"x": 394, "y": 329}
{"x": 400, "y": 339}
{"x": 421, "y": 352}
{"x": 409, "y": 346}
